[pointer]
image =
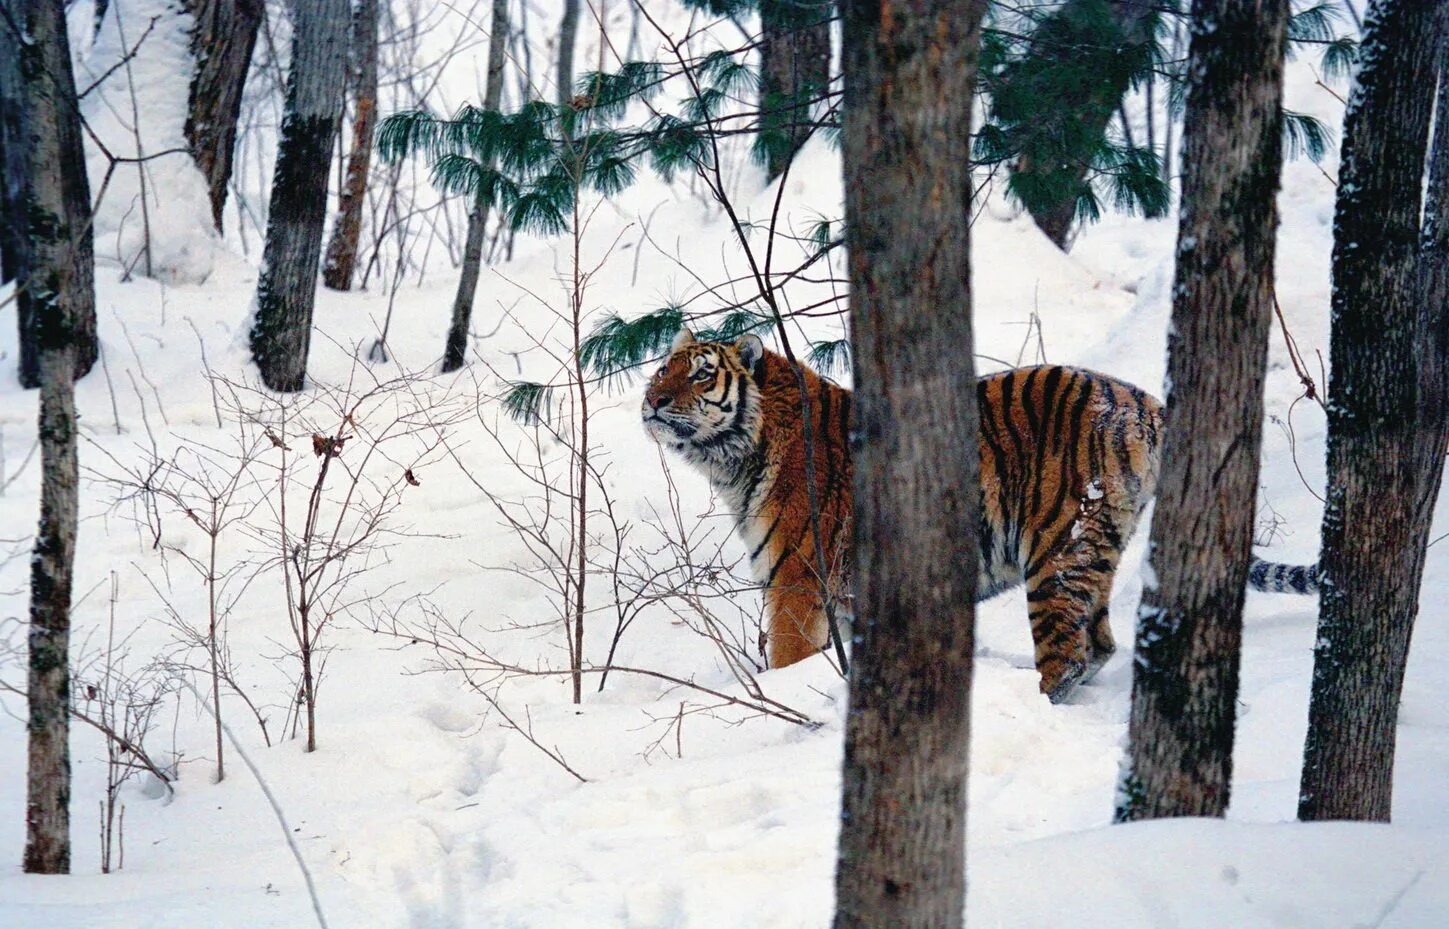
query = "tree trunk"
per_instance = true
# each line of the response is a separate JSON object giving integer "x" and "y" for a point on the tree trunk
{"x": 794, "y": 70}
{"x": 1190, "y": 622}
{"x": 222, "y": 42}
{"x": 1385, "y": 437}
{"x": 12, "y": 152}
{"x": 567, "y": 33}
{"x": 58, "y": 296}
{"x": 1077, "y": 115}
{"x": 455, "y": 353}
{"x": 908, "y": 84}
{"x": 287, "y": 286}
{"x": 342, "y": 250}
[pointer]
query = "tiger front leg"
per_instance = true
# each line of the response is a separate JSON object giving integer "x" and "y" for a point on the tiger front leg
{"x": 794, "y": 614}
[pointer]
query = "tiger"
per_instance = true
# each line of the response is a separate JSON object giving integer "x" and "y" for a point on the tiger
{"x": 1069, "y": 460}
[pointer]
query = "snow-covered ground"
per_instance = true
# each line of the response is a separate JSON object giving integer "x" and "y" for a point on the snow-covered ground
{"x": 423, "y": 808}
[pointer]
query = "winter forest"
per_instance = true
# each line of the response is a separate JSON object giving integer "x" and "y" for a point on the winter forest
{"x": 685, "y": 464}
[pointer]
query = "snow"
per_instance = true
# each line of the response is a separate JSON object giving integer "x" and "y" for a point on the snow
{"x": 423, "y": 808}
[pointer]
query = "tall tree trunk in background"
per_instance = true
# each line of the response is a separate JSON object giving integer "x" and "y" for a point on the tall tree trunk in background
{"x": 1384, "y": 432}
{"x": 46, "y": 139}
{"x": 568, "y": 32}
{"x": 908, "y": 83}
{"x": 57, "y": 292}
{"x": 794, "y": 69}
{"x": 1081, "y": 107}
{"x": 287, "y": 286}
{"x": 456, "y": 350}
{"x": 362, "y": 53}
{"x": 12, "y": 150}
{"x": 1190, "y": 622}
{"x": 222, "y": 41}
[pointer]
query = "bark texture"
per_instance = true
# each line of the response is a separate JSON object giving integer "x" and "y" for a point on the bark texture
{"x": 58, "y": 297}
{"x": 909, "y": 74}
{"x": 1385, "y": 424}
{"x": 362, "y": 54}
{"x": 12, "y": 149}
{"x": 455, "y": 352}
{"x": 57, "y": 262}
{"x": 222, "y": 41}
{"x": 1076, "y": 118}
{"x": 287, "y": 287}
{"x": 1190, "y": 622}
{"x": 568, "y": 32}
{"x": 794, "y": 70}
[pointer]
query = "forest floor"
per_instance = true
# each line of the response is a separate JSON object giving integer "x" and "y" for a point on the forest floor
{"x": 423, "y": 807}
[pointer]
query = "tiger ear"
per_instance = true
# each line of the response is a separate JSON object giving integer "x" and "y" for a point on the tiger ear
{"x": 751, "y": 349}
{"x": 685, "y": 337}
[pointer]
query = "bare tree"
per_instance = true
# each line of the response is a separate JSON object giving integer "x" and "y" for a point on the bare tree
{"x": 57, "y": 296}
{"x": 794, "y": 69}
{"x": 568, "y": 32}
{"x": 1190, "y": 622}
{"x": 222, "y": 41}
{"x": 362, "y": 55}
{"x": 455, "y": 352}
{"x": 909, "y": 78}
{"x": 287, "y": 287}
{"x": 1386, "y": 439}
{"x": 12, "y": 150}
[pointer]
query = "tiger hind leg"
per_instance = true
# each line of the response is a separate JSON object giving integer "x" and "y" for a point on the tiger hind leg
{"x": 1067, "y": 599}
{"x": 794, "y": 614}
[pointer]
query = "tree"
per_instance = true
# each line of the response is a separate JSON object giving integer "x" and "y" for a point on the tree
{"x": 287, "y": 287}
{"x": 456, "y": 349}
{"x": 908, "y": 87}
{"x": 362, "y": 53}
{"x": 1189, "y": 624}
{"x": 794, "y": 71}
{"x": 1081, "y": 60}
{"x": 12, "y": 152}
{"x": 568, "y": 32}
{"x": 222, "y": 42}
{"x": 1385, "y": 421}
{"x": 56, "y": 294}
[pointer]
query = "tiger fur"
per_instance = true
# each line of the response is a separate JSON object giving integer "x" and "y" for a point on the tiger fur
{"x": 1069, "y": 459}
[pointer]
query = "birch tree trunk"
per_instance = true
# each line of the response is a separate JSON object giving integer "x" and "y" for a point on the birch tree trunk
{"x": 909, "y": 75}
{"x": 455, "y": 352}
{"x": 57, "y": 293}
{"x": 287, "y": 286}
{"x": 222, "y": 41}
{"x": 342, "y": 249}
{"x": 1385, "y": 423}
{"x": 794, "y": 69}
{"x": 1190, "y": 622}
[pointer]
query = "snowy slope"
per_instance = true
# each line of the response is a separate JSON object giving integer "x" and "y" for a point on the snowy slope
{"x": 423, "y": 808}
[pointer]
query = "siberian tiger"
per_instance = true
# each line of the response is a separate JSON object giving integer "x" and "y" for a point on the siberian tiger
{"x": 1069, "y": 459}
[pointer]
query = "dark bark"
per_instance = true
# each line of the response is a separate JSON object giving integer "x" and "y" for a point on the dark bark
{"x": 568, "y": 31}
{"x": 57, "y": 294}
{"x": 58, "y": 239}
{"x": 908, "y": 83}
{"x": 362, "y": 53}
{"x": 12, "y": 151}
{"x": 1076, "y": 118}
{"x": 1190, "y": 622}
{"x": 1385, "y": 424}
{"x": 222, "y": 40}
{"x": 794, "y": 69}
{"x": 287, "y": 286}
{"x": 455, "y": 353}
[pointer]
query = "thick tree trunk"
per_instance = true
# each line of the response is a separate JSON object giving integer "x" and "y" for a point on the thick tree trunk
{"x": 64, "y": 240}
{"x": 287, "y": 286}
{"x": 455, "y": 353}
{"x": 568, "y": 31}
{"x": 794, "y": 70}
{"x": 1082, "y": 108}
{"x": 908, "y": 82}
{"x": 342, "y": 249}
{"x": 222, "y": 41}
{"x": 1385, "y": 438}
{"x": 57, "y": 292}
{"x": 1190, "y": 622}
{"x": 12, "y": 150}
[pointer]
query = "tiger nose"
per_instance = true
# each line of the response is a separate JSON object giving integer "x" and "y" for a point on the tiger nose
{"x": 661, "y": 401}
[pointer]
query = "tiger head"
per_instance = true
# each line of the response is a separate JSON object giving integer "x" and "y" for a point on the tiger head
{"x": 704, "y": 400}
